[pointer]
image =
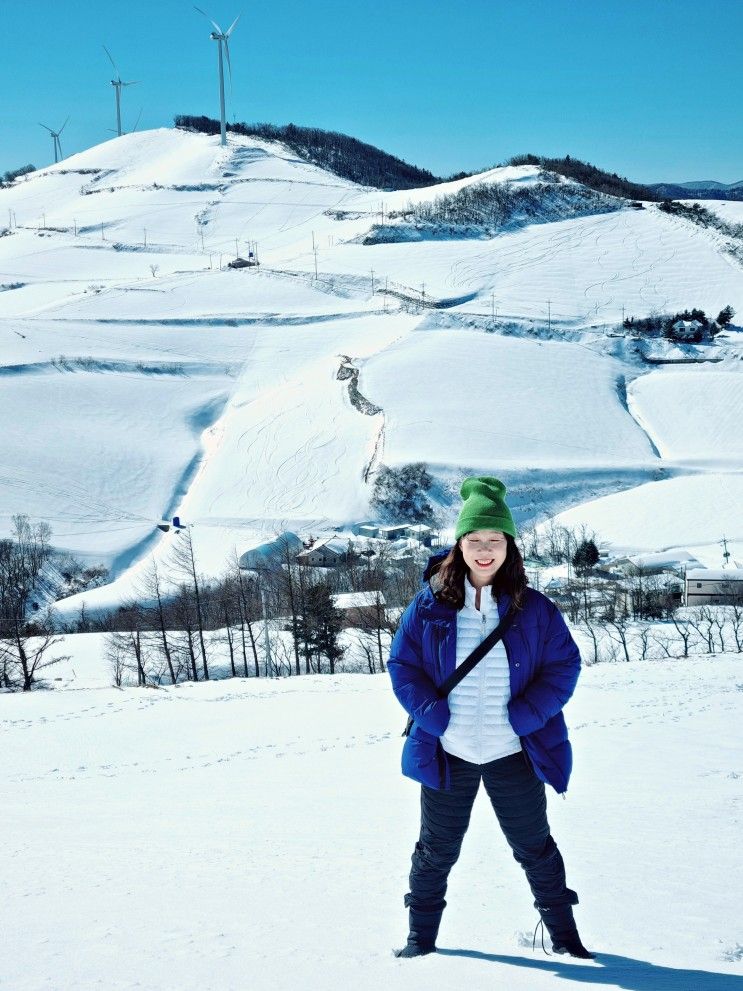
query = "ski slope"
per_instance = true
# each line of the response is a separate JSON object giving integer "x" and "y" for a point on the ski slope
{"x": 689, "y": 412}
{"x": 487, "y": 406}
{"x": 258, "y": 833}
{"x": 142, "y": 378}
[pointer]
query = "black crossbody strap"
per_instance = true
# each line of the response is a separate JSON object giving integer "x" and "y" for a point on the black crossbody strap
{"x": 477, "y": 655}
{"x": 470, "y": 661}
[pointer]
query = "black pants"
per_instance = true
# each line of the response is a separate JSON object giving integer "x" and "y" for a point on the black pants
{"x": 520, "y": 804}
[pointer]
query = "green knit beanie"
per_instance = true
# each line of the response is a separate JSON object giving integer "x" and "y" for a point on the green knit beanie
{"x": 484, "y": 507}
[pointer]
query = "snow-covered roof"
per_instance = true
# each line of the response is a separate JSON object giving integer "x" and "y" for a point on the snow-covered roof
{"x": 332, "y": 543}
{"x": 357, "y": 600}
{"x": 273, "y": 549}
{"x": 661, "y": 559}
{"x": 716, "y": 574}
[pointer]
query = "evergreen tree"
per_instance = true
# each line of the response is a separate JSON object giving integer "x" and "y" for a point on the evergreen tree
{"x": 725, "y": 316}
{"x": 323, "y": 623}
{"x": 586, "y": 557}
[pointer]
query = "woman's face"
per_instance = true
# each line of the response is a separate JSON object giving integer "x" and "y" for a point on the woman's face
{"x": 484, "y": 551}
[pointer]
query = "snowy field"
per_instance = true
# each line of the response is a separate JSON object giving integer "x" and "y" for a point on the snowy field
{"x": 257, "y": 834}
{"x": 141, "y": 378}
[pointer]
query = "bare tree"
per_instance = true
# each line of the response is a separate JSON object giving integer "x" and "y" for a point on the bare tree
{"x": 25, "y": 643}
{"x": 702, "y": 620}
{"x": 184, "y": 563}
{"x": 684, "y": 628}
{"x": 151, "y": 588}
{"x": 619, "y": 630}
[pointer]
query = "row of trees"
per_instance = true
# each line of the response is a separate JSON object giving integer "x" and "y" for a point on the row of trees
{"x": 487, "y": 207}
{"x": 704, "y": 630}
{"x": 279, "y": 620}
{"x": 338, "y": 153}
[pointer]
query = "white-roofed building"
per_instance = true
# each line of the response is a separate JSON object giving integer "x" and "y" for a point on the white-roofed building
{"x": 713, "y": 586}
{"x": 325, "y": 553}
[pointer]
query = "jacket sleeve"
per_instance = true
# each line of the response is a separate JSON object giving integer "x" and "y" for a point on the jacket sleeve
{"x": 545, "y": 696}
{"x": 414, "y": 689}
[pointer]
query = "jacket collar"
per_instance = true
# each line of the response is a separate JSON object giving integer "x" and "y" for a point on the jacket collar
{"x": 486, "y": 598}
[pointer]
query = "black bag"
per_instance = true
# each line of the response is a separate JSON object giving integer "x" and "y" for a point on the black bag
{"x": 469, "y": 662}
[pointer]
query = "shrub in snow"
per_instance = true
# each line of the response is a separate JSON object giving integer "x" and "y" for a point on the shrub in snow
{"x": 400, "y": 494}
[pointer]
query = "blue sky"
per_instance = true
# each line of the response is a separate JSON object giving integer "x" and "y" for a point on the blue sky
{"x": 646, "y": 88}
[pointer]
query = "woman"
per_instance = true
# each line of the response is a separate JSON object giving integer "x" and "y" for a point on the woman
{"x": 503, "y": 722}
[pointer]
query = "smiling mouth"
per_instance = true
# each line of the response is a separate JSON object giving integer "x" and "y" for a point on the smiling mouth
{"x": 484, "y": 564}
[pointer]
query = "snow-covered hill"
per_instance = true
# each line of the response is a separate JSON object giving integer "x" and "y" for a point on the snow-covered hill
{"x": 140, "y": 377}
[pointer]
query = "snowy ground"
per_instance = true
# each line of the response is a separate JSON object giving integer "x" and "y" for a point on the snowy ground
{"x": 257, "y": 834}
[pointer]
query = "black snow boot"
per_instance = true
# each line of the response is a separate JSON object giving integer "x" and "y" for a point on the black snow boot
{"x": 424, "y": 928}
{"x": 414, "y": 950}
{"x": 560, "y": 923}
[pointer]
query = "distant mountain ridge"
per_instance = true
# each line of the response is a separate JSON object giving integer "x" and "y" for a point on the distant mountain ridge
{"x": 707, "y": 189}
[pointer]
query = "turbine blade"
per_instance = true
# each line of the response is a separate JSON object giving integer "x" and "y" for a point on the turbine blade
{"x": 132, "y": 83}
{"x": 232, "y": 26}
{"x": 111, "y": 61}
{"x": 63, "y": 126}
{"x": 229, "y": 64}
{"x": 48, "y": 128}
{"x": 219, "y": 29}
{"x": 138, "y": 118}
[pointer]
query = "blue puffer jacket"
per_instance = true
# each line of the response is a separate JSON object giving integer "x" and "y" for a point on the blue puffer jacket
{"x": 544, "y": 663}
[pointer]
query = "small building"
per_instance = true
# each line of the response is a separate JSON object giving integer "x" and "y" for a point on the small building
{"x": 393, "y": 532}
{"x": 367, "y": 530}
{"x": 709, "y": 586}
{"x": 687, "y": 330}
{"x": 326, "y": 553}
{"x": 420, "y": 532}
{"x": 360, "y": 607}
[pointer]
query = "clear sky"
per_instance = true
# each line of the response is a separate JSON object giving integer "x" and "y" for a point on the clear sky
{"x": 650, "y": 89}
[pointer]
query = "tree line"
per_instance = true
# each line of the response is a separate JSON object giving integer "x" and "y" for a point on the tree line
{"x": 338, "y": 153}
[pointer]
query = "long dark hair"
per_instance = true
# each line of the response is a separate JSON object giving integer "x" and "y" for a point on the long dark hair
{"x": 510, "y": 577}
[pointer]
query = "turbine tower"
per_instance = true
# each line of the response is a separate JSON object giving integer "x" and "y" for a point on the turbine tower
{"x": 221, "y": 37}
{"x": 117, "y": 84}
{"x": 55, "y": 138}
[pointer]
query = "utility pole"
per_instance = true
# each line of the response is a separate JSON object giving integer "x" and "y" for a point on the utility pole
{"x": 75, "y": 223}
{"x": 314, "y": 250}
{"x": 492, "y": 308}
{"x": 549, "y": 321}
{"x": 372, "y": 281}
{"x": 145, "y": 237}
{"x": 726, "y": 552}
{"x": 237, "y": 250}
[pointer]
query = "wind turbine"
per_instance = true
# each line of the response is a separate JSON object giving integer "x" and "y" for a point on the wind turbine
{"x": 220, "y": 37}
{"x": 117, "y": 84}
{"x": 55, "y": 137}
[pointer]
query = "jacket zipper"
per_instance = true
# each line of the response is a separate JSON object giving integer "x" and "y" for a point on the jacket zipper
{"x": 480, "y": 705}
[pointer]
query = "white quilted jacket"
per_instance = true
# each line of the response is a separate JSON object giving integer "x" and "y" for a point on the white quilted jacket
{"x": 479, "y": 730}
